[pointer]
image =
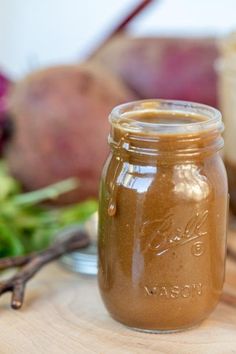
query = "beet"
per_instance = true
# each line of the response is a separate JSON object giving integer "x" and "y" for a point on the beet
{"x": 5, "y": 84}
{"x": 172, "y": 68}
{"x": 60, "y": 118}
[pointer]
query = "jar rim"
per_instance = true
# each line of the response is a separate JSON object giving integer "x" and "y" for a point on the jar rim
{"x": 212, "y": 117}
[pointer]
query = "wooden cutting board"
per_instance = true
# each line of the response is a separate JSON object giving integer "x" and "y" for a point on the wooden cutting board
{"x": 63, "y": 313}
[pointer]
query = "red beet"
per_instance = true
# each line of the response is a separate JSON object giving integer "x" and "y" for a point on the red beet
{"x": 176, "y": 68}
{"x": 5, "y": 84}
{"x": 60, "y": 118}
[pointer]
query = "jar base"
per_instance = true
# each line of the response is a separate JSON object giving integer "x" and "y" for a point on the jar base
{"x": 163, "y": 331}
{"x": 158, "y": 330}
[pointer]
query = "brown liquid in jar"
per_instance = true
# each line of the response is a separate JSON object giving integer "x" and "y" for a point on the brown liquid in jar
{"x": 162, "y": 224}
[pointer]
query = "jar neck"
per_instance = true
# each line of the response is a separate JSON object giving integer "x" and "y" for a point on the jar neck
{"x": 165, "y": 147}
{"x": 165, "y": 129}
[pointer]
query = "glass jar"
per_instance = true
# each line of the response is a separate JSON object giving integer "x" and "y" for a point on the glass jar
{"x": 163, "y": 215}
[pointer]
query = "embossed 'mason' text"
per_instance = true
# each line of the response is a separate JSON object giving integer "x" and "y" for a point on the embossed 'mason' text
{"x": 174, "y": 291}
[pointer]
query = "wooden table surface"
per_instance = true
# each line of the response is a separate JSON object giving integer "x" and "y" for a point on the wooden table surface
{"x": 63, "y": 313}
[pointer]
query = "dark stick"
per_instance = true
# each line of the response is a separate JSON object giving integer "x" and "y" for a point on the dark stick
{"x": 229, "y": 299}
{"x": 32, "y": 263}
{"x": 123, "y": 24}
{"x": 18, "y": 261}
{"x": 231, "y": 253}
{"x": 130, "y": 17}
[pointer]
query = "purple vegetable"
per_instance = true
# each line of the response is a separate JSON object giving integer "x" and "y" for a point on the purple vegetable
{"x": 4, "y": 86}
{"x": 5, "y": 128}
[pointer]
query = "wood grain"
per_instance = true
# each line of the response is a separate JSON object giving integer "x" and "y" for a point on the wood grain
{"x": 63, "y": 313}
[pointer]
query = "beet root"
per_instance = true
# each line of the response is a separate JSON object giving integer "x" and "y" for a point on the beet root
{"x": 60, "y": 119}
{"x": 171, "y": 68}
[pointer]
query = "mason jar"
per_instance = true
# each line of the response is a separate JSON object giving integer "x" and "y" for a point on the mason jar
{"x": 163, "y": 215}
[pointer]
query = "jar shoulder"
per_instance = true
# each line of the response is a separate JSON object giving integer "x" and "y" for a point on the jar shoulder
{"x": 194, "y": 180}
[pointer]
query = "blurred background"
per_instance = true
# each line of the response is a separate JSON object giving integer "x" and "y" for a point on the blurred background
{"x": 37, "y": 33}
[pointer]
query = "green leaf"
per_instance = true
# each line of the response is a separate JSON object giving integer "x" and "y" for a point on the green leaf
{"x": 10, "y": 244}
{"x": 51, "y": 192}
{"x": 78, "y": 213}
{"x": 25, "y": 224}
